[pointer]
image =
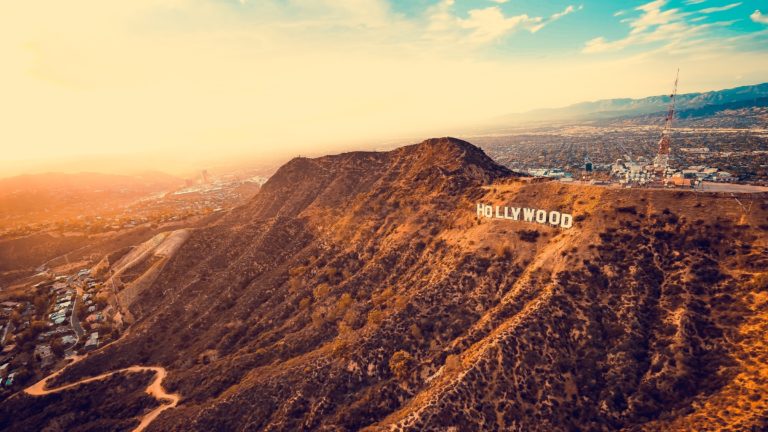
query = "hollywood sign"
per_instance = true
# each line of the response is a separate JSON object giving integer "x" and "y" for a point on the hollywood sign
{"x": 554, "y": 218}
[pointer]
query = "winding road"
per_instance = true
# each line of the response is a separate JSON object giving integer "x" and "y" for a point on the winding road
{"x": 155, "y": 389}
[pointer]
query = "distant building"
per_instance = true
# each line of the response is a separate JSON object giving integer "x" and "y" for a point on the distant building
{"x": 92, "y": 342}
{"x": 694, "y": 150}
{"x": 548, "y": 172}
{"x": 45, "y": 354}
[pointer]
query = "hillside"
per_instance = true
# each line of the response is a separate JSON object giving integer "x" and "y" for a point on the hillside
{"x": 362, "y": 292}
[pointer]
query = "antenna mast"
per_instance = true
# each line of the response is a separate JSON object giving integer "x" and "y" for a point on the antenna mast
{"x": 661, "y": 162}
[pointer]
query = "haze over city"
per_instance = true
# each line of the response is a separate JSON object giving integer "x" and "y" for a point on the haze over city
{"x": 176, "y": 85}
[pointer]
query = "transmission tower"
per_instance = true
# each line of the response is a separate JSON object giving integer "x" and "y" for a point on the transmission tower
{"x": 661, "y": 162}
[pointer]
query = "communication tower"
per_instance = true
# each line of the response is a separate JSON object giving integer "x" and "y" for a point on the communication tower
{"x": 661, "y": 162}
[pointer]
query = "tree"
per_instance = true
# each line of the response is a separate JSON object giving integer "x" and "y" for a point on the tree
{"x": 15, "y": 318}
{"x": 57, "y": 346}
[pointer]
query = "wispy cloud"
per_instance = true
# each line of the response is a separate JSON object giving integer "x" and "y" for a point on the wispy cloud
{"x": 484, "y": 25}
{"x": 720, "y": 8}
{"x": 673, "y": 28}
{"x": 758, "y": 17}
{"x": 694, "y": 2}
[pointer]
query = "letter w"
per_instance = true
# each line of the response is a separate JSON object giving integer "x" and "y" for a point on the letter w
{"x": 528, "y": 214}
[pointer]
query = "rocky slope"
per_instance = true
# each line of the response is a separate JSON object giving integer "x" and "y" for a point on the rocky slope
{"x": 361, "y": 291}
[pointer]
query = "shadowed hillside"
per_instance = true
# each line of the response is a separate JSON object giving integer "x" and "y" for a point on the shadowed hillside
{"x": 361, "y": 291}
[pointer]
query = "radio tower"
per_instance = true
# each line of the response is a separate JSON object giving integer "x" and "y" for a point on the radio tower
{"x": 661, "y": 162}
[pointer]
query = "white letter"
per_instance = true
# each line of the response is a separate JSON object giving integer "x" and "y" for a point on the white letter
{"x": 498, "y": 215}
{"x": 515, "y": 213}
{"x": 541, "y": 216}
{"x": 566, "y": 221}
{"x": 528, "y": 214}
{"x": 488, "y": 211}
{"x": 480, "y": 209}
{"x": 554, "y": 218}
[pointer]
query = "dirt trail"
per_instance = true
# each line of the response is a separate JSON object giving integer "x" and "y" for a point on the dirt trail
{"x": 155, "y": 389}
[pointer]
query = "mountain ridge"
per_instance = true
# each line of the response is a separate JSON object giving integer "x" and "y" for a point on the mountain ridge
{"x": 363, "y": 291}
{"x": 619, "y": 107}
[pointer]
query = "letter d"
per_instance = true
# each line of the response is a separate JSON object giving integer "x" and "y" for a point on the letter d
{"x": 566, "y": 220}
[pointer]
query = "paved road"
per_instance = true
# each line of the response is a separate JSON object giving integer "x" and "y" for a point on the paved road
{"x": 75, "y": 321}
{"x": 730, "y": 187}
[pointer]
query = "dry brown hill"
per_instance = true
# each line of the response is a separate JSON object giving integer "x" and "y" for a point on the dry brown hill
{"x": 361, "y": 291}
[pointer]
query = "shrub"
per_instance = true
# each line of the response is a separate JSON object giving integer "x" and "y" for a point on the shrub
{"x": 321, "y": 290}
{"x": 416, "y": 332}
{"x": 401, "y": 363}
{"x": 375, "y": 317}
{"x": 627, "y": 209}
{"x": 528, "y": 235}
{"x": 452, "y": 363}
{"x": 503, "y": 251}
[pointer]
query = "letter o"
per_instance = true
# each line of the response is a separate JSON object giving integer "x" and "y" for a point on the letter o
{"x": 541, "y": 216}
{"x": 488, "y": 211}
{"x": 554, "y": 218}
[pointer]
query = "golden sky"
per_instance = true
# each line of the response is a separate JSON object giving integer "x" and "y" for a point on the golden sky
{"x": 178, "y": 84}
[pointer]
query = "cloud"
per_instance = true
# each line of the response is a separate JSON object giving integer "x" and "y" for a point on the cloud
{"x": 490, "y": 24}
{"x": 483, "y": 26}
{"x": 758, "y": 17}
{"x": 656, "y": 25}
{"x": 566, "y": 11}
{"x": 199, "y": 80}
{"x": 694, "y": 2}
{"x": 500, "y": 1}
{"x": 720, "y": 8}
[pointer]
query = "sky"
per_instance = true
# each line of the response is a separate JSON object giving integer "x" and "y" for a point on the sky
{"x": 174, "y": 84}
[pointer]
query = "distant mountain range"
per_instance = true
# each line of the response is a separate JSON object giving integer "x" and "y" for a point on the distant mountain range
{"x": 690, "y": 104}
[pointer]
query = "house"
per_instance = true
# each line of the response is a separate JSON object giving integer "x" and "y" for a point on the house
{"x": 680, "y": 181}
{"x": 4, "y": 368}
{"x": 92, "y": 342}
{"x": 9, "y": 381}
{"x": 68, "y": 340}
{"x": 45, "y": 354}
